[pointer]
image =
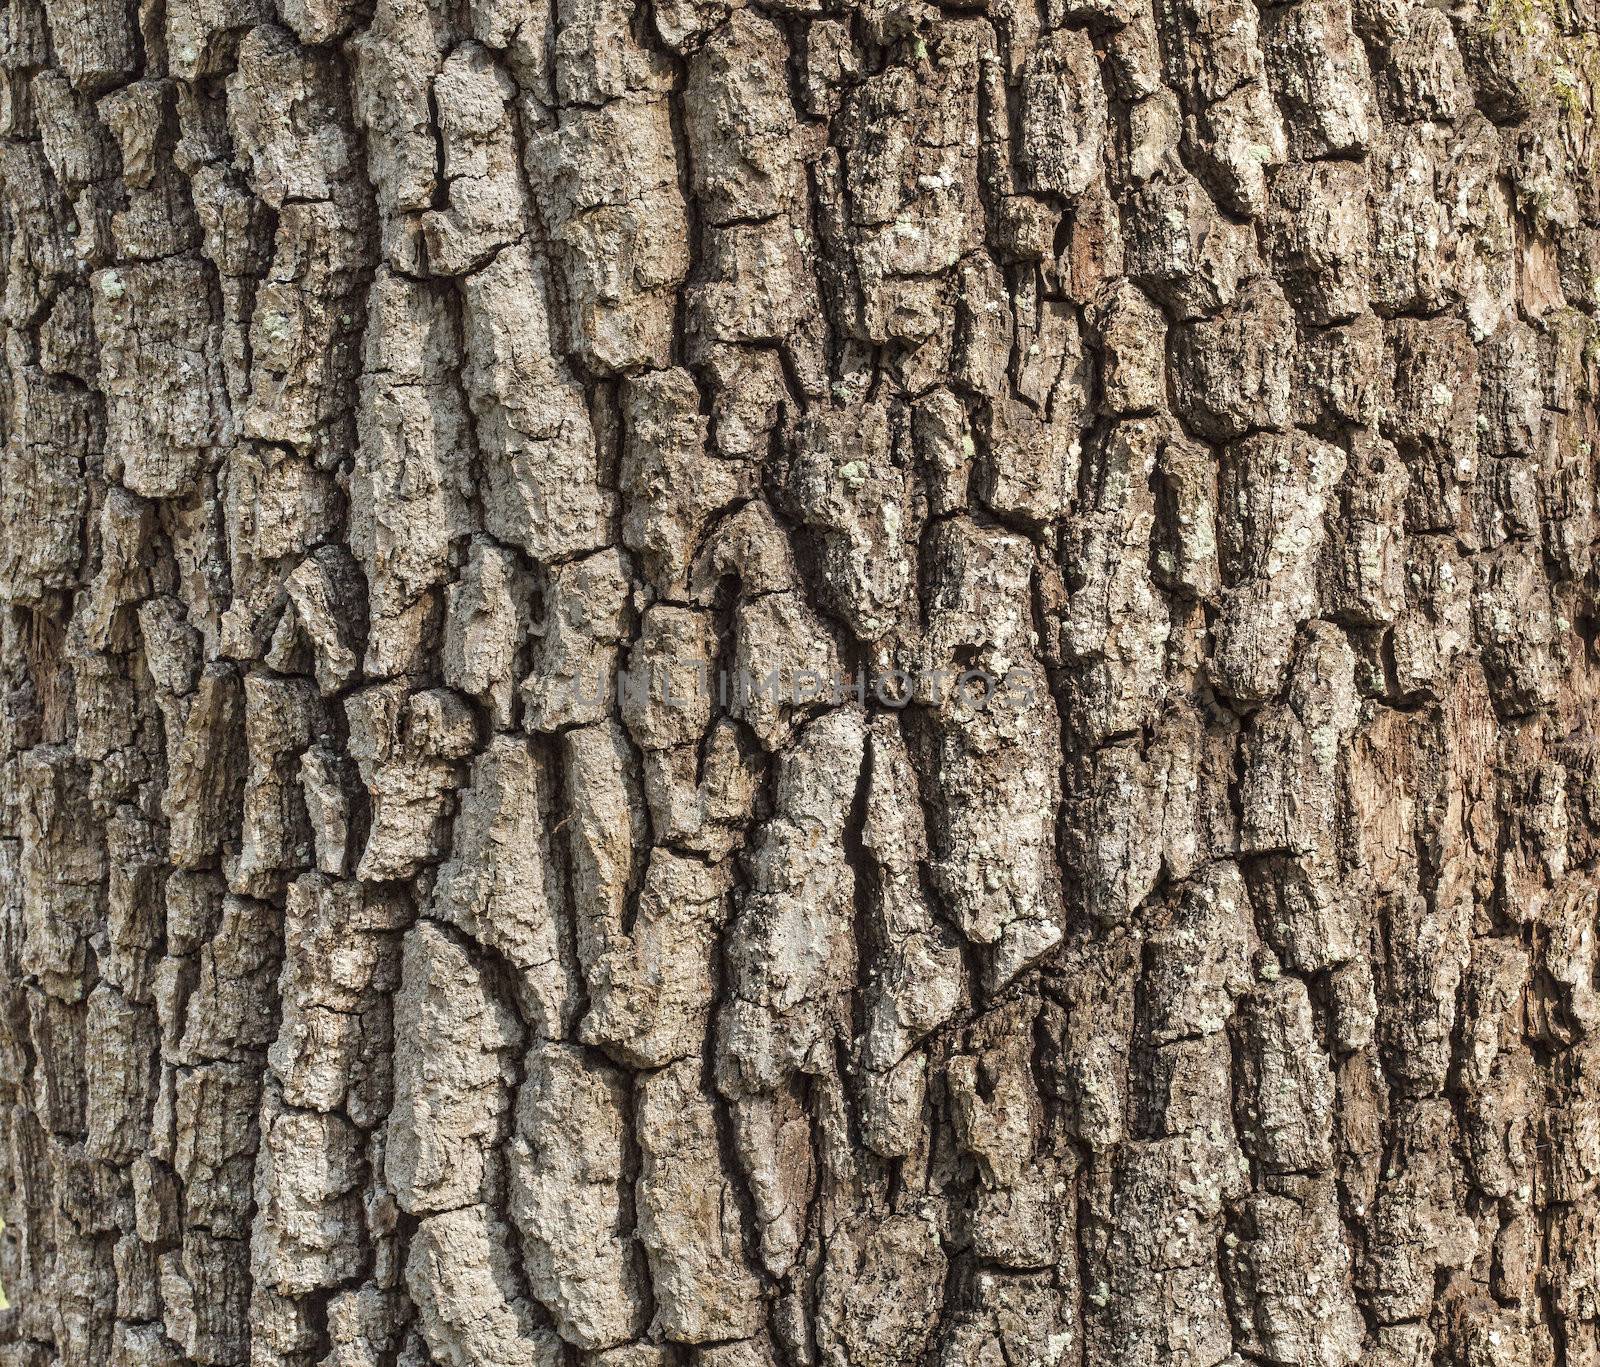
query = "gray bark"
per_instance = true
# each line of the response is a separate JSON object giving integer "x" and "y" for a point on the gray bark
{"x": 376, "y": 990}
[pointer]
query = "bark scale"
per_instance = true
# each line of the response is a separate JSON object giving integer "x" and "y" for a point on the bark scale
{"x": 376, "y": 990}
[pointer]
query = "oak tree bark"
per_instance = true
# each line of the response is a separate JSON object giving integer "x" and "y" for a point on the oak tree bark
{"x": 382, "y": 987}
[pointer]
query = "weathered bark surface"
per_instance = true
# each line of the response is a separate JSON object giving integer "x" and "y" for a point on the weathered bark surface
{"x": 376, "y": 991}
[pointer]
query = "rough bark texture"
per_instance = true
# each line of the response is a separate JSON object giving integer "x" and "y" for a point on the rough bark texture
{"x": 376, "y": 991}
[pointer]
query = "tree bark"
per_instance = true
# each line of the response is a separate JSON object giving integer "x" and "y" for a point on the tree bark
{"x": 1093, "y": 856}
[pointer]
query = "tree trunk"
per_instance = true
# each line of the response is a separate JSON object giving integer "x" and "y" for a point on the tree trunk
{"x": 1091, "y": 857}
